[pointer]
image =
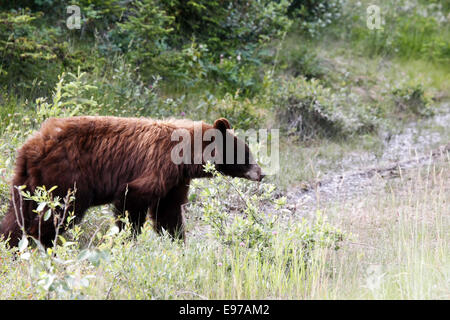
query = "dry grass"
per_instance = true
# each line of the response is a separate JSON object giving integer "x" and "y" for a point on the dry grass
{"x": 400, "y": 240}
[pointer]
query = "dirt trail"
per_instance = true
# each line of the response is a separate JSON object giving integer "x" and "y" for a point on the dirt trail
{"x": 417, "y": 144}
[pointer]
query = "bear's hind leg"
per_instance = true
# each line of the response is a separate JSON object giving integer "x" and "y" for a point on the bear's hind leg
{"x": 137, "y": 212}
{"x": 167, "y": 213}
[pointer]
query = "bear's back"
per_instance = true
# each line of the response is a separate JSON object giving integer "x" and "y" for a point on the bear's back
{"x": 89, "y": 148}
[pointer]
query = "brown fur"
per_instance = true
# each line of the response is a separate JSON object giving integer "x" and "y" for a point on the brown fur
{"x": 124, "y": 161}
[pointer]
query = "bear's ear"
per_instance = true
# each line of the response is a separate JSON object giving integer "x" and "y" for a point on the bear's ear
{"x": 222, "y": 124}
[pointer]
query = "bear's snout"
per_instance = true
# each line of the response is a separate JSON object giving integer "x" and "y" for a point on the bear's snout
{"x": 254, "y": 173}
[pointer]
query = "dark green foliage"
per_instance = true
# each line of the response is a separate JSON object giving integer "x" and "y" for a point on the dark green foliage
{"x": 310, "y": 10}
{"x": 299, "y": 59}
{"x": 244, "y": 114}
{"x": 314, "y": 15}
{"x": 309, "y": 110}
{"x": 191, "y": 41}
{"x": 94, "y": 13}
{"x": 214, "y": 58}
{"x": 28, "y": 53}
{"x": 226, "y": 25}
{"x": 201, "y": 43}
{"x": 412, "y": 99}
{"x": 409, "y": 33}
{"x": 144, "y": 32}
{"x": 34, "y": 5}
{"x": 101, "y": 13}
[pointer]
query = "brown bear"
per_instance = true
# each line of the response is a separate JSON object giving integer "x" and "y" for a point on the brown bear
{"x": 128, "y": 162}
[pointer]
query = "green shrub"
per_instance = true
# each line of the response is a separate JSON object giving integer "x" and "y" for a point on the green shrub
{"x": 122, "y": 92}
{"x": 252, "y": 220}
{"x": 29, "y": 56}
{"x": 73, "y": 95}
{"x": 98, "y": 14}
{"x": 314, "y": 15}
{"x": 308, "y": 109}
{"x": 200, "y": 40}
{"x": 69, "y": 99}
{"x": 95, "y": 14}
{"x": 242, "y": 113}
{"x": 35, "y": 5}
{"x": 145, "y": 31}
{"x": 412, "y": 99}
{"x": 225, "y": 26}
{"x": 299, "y": 59}
{"x": 250, "y": 227}
{"x": 413, "y": 31}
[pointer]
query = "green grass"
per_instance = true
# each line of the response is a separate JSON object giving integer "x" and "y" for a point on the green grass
{"x": 395, "y": 238}
{"x": 400, "y": 242}
{"x": 302, "y": 163}
{"x": 397, "y": 248}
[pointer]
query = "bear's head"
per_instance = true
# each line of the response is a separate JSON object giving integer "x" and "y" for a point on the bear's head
{"x": 236, "y": 157}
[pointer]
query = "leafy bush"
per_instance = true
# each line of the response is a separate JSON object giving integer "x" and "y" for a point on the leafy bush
{"x": 314, "y": 15}
{"x": 69, "y": 99}
{"x": 253, "y": 219}
{"x": 73, "y": 95}
{"x": 243, "y": 113}
{"x": 308, "y": 109}
{"x": 250, "y": 227}
{"x": 99, "y": 14}
{"x": 95, "y": 14}
{"x": 225, "y": 26}
{"x": 409, "y": 31}
{"x": 52, "y": 270}
{"x": 27, "y": 53}
{"x": 412, "y": 99}
{"x": 144, "y": 33}
{"x": 299, "y": 59}
{"x": 122, "y": 92}
{"x": 192, "y": 41}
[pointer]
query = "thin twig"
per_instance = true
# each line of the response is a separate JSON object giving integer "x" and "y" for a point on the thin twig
{"x": 21, "y": 223}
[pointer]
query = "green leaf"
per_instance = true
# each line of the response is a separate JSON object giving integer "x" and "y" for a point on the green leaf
{"x": 47, "y": 214}
{"x": 84, "y": 255}
{"x": 23, "y": 244}
{"x": 41, "y": 207}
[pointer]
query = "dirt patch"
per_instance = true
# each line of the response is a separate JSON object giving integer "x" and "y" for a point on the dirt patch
{"x": 408, "y": 149}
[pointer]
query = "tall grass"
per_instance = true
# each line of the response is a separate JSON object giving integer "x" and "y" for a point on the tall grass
{"x": 398, "y": 249}
{"x": 407, "y": 30}
{"x": 397, "y": 233}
